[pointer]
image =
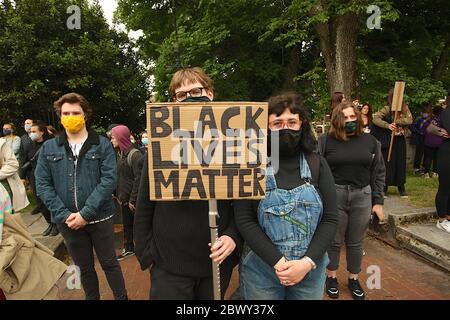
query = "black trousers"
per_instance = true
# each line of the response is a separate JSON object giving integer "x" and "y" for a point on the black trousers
{"x": 418, "y": 156}
{"x": 443, "y": 193}
{"x": 39, "y": 204}
{"x": 128, "y": 222}
{"x": 169, "y": 286}
{"x": 99, "y": 236}
{"x": 430, "y": 157}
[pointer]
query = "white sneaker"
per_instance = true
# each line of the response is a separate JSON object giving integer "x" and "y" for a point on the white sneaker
{"x": 444, "y": 225}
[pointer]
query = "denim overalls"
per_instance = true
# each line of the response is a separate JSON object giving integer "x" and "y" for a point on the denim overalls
{"x": 289, "y": 218}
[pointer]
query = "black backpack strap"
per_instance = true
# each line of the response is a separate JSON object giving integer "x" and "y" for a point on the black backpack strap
{"x": 313, "y": 160}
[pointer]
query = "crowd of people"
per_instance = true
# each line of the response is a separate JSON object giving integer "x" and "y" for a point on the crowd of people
{"x": 287, "y": 245}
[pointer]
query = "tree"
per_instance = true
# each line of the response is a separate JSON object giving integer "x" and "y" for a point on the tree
{"x": 41, "y": 59}
{"x": 255, "y": 48}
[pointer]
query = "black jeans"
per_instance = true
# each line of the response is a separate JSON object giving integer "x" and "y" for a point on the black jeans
{"x": 128, "y": 222}
{"x": 418, "y": 156}
{"x": 443, "y": 193}
{"x": 80, "y": 243}
{"x": 169, "y": 286}
{"x": 39, "y": 204}
{"x": 430, "y": 157}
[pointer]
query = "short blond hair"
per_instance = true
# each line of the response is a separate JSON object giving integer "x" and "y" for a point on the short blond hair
{"x": 189, "y": 76}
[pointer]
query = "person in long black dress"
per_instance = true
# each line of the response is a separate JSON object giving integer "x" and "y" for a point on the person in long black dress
{"x": 384, "y": 120}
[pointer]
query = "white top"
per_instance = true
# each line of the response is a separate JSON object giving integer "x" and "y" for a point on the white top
{"x": 76, "y": 148}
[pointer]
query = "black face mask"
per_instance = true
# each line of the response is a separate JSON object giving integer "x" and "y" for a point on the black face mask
{"x": 197, "y": 99}
{"x": 289, "y": 141}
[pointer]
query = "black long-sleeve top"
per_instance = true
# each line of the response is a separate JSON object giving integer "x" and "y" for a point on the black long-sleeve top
{"x": 288, "y": 177}
{"x": 175, "y": 234}
{"x": 445, "y": 122}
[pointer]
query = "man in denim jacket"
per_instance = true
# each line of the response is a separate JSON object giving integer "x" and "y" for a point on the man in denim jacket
{"x": 76, "y": 175}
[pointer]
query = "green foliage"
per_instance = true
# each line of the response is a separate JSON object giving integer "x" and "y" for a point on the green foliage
{"x": 41, "y": 59}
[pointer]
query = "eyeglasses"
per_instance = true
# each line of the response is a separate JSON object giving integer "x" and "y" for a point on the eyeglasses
{"x": 194, "y": 92}
{"x": 280, "y": 124}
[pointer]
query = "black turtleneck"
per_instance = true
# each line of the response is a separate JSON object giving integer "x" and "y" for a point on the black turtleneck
{"x": 288, "y": 175}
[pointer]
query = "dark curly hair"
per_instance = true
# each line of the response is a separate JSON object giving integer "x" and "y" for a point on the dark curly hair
{"x": 294, "y": 102}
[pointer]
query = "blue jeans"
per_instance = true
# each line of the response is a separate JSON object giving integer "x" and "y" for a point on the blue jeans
{"x": 258, "y": 281}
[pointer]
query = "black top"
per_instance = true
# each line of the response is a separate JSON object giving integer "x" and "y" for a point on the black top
{"x": 350, "y": 160}
{"x": 175, "y": 234}
{"x": 445, "y": 122}
{"x": 288, "y": 177}
{"x": 128, "y": 177}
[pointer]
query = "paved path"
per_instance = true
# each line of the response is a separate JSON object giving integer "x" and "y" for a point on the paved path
{"x": 403, "y": 276}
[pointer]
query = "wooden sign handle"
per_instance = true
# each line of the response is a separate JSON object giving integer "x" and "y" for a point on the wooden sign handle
{"x": 392, "y": 139}
{"x": 213, "y": 227}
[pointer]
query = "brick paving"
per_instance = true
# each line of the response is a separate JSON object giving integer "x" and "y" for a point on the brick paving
{"x": 404, "y": 276}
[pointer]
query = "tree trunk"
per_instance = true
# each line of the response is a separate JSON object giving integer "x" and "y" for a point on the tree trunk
{"x": 442, "y": 62}
{"x": 338, "y": 38}
{"x": 292, "y": 68}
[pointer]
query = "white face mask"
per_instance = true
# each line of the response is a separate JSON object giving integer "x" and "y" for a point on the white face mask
{"x": 34, "y": 136}
{"x": 27, "y": 127}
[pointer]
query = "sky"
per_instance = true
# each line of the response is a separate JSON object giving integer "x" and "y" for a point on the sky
{"x": 109, "y": 6}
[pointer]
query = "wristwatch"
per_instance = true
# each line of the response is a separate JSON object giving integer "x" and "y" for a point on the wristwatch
{"x": 311, "y": 262}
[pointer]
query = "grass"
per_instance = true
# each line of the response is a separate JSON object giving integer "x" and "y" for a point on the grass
{"x": 421, "y": 191}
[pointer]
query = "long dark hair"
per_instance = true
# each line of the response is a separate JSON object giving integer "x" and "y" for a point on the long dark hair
{"x": 294, "y": 102}
{"x": 43, "y": 128}
{"x": 370, "y": 113}
{"x": 336, "y": 99}
{"x": 337, "y": 129}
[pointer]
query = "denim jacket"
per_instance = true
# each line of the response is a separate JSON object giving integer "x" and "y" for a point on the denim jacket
{"x": 86, "y": 187}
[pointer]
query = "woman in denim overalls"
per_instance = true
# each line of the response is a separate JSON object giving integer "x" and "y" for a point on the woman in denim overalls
{"x": 288, "y": 232}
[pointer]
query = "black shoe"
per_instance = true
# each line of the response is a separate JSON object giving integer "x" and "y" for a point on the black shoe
{"x": 35, "y": 211}
{"x": 332, "y": 287}
{"x": 47, "y": 231}
{"x": 125, "y": 254}
{"x": 356, "y": 290}
{"x": 403, "y": 195}
{"x": 54, "y": 231}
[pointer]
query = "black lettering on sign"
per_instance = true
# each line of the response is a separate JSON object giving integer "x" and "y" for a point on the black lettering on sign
{"x": 232, "y": 154}
{"x": 174, "y": 179}
{"x": 230, "y": 173}
{"x": 157, "y": 122}
{"x": 194, "y": 174}
{"x": 250, "y": 119}
{"x": 176, "y": 118}
{"x": 210, "y": 122}
{"x": 158, "y": 163}
{"x": 226, "y": 116}
{"x": 243, "y": 183}
{"x": 204, "y": 159}
{"x": 258, "y": 175}
{"x": 184, "y": 154}
{"x": 212, "y": 180}
{"x": 255, "y": 151}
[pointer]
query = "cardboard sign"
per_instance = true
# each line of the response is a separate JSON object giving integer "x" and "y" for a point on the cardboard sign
{"x": 212, "y": 150}
{"x": 397, "y": 99}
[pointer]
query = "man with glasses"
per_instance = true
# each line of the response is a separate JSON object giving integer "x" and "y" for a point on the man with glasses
{"x": 172, "y": 237}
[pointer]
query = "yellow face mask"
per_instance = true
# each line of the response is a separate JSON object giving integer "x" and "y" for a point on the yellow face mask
{"x": 73, "y": 124}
